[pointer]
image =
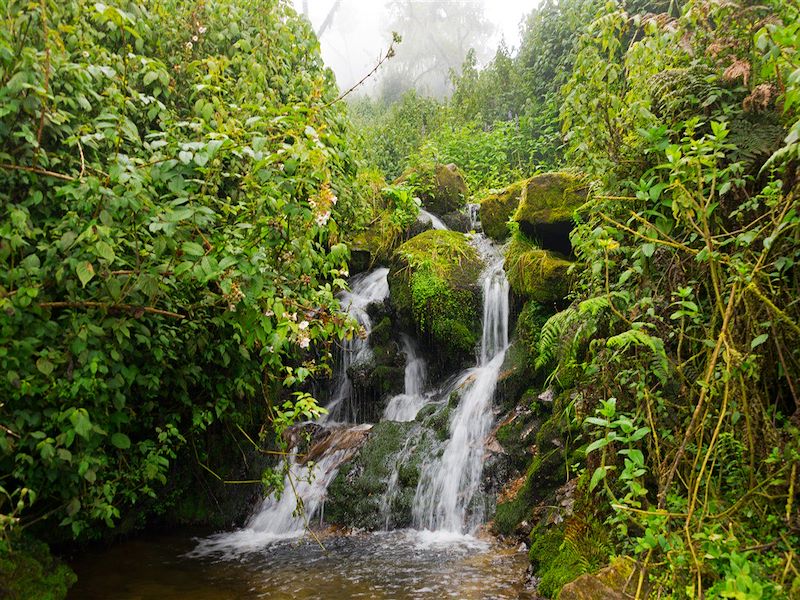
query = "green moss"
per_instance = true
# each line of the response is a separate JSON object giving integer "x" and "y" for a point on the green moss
{"x": 550, "y": 197}
{"x": 535, "y": 273}
{"x": 433, "y": 283}
{"x": 31, "y": 573}
{"x": 546, "y": 208}
{"x": 354, "y": 497}
{"x": 554, "y": 561}
{"x": 497, "y": 208}
{"x": 441, "y": 188}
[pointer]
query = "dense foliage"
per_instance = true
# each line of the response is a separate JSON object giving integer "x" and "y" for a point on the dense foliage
{"x": 174, "y": 179}
{"x": 676, "y": 367}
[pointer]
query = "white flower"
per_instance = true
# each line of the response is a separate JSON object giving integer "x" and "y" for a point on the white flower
{"x": 195, "y": 38}
{"x": 269, "y": 313}
{"x": 344, "y": 273}
{"x": 312, "y": 204}
{"x": 323, "y": 218}
{"x": 189, "y": 45}
{"x": 334, "y": 199}
{"x": 304, "y": 341}
{"x": 303, "y": 325}
{"x": 201, "y": 29}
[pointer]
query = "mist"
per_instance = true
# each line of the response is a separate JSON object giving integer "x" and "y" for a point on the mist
{"x": 437, "y": 34}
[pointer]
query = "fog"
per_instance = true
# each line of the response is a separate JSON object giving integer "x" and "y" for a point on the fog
{"x": 436, "y": 37}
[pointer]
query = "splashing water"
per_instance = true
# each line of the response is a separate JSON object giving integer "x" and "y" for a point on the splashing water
{"x": 448, "y": 485}
{"x": 364, "y": 290}
{"x": 436, "y": 222}
{"x": 281, "y": 518}
{"x": 405, "y": 406}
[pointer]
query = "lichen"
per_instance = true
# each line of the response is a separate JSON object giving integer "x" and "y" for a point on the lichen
{"x": 497, "y": 208}
{"x": 534, "y": 273}
{"x": 433, "y": 283}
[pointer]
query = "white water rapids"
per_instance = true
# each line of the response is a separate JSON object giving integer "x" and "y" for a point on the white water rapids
{"x": 448, "y": 485}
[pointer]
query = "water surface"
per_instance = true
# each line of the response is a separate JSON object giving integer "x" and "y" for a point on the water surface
{"x": 398, "y": 565}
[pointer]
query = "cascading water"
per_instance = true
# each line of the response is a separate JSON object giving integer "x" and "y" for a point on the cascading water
{"x": 405, "y": 406}
{"x": 364, "y": 290}
{"x": 436, "y": 222}
{"x": 279, "y": 518}
{"x": 448, "y": 484}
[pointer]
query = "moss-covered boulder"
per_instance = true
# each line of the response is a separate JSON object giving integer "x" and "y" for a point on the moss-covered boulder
{"x": 31, "y": 572}
{"x": 614, "y": 582}
{"x": 441, "y": 188}
{"x": 545, "y": 209}
{"x": 536, "y": 274}
{"x": 357, "y": 497}
{"x": 433, "y": 284}
{"x": 497, "y": 208}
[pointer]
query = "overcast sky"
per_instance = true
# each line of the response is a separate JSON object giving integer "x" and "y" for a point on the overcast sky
{"x": 360, "y": 31}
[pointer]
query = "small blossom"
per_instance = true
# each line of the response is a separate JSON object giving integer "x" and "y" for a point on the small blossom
{"x": 303, "y": 325}
{"x": 195, "y": 38}
{"x": 334, "y": 199}
{"x": 269, "y": 313}
{"x": 189, "y": 45}
{"x": 322, "y": 218}
{"x": 201, "y": 29}
{"x": 303, "y": 341}
{"x": 344, "y": 273}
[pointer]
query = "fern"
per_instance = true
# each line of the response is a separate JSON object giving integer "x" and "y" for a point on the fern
{"x": 551, "y": 334}
{"x": 638, "y": 338}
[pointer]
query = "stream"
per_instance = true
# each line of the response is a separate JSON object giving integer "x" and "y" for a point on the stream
{"x": 447, "y": 555}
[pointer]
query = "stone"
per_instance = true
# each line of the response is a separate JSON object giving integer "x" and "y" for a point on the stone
{"x": 546, "y": 207}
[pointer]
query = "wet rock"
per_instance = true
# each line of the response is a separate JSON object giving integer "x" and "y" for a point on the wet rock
{"x": 458, "y": 221}
{"x": 536, "y": 274}
{"x": 441, "y": 188}
{"x": 434, "y": 289}
{"x": 497, "y": 208}
{"x": 546, "y": 207}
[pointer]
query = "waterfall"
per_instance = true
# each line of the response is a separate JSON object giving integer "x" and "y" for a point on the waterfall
{"x": 307, "y": 479}
{"x": 448, "y": 484}
{"x": 405, "y": 406}
{"x": 364, "y": 290}
{"x": 436, "y": 222}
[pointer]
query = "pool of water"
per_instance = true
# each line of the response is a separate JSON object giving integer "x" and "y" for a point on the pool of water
{"x": 399, "y": 565}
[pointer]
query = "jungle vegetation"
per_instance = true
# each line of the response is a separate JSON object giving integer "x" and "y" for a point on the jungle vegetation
{"x": 179, "y": 184}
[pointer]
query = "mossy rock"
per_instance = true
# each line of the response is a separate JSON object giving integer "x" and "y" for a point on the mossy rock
{"x": 441, "y": 188}
{"x": 434, "y": 288}
{"x": 355, "y": 496}
{"x": 546, "y": 207}
{"x": 536, "y": 274}
{"x": 31, "y": 573}
{"x": 497, "y": 208}
{"x": 375, "y": 244}
{"x": 614, "y": 582}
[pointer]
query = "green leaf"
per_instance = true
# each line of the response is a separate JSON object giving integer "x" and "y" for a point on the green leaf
{"x": 648, "y": 249}
{"x": 185, "y": 156}
{"x": 192, "y": 249}
{"x": 44, "y": 365}
{"x": 85, "y": 272}
{"x": 80, "y": 422}
{"x": 105, "y": 251}
{"x": 759, "y": 340}
{"x": 121, "y": 441}
{"x": 598, "y": 476}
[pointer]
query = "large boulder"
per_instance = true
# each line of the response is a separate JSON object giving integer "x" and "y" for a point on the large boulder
{"x": 614, "y": 582}
{"x": 441, "y": 188}
{"x": 536, "y": 274}
{"x": 545, "y": 209}
{"x": 433, "y": 284}
{"x": 497, "y": 208}
{"x": 357, "y": 497}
